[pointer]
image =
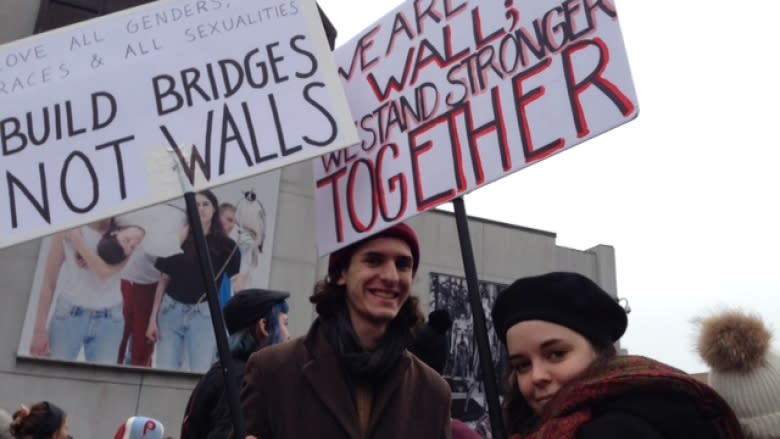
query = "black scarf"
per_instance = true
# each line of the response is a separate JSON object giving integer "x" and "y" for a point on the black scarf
{"x": 359, "y": 365}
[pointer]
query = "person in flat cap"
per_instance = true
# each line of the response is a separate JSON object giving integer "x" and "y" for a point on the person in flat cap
{"x": 351, "y": 375}
{"x": 567, "y": 381}
{"x": 255, "y": 319}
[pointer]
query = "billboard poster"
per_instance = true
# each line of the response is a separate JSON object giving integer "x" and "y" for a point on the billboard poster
{"x": 462, "y": 370}
{"x": 119, "y": 291}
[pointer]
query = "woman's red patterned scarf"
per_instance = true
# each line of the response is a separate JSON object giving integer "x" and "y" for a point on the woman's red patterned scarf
{"x": 570, "y": 409}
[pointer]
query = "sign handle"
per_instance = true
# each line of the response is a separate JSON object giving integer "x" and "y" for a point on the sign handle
{"x": 480, "y": 328}
{"x": 212, "y": 297}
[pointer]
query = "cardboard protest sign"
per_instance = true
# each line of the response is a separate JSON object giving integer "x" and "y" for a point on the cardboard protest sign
{"x": 94, "y": 116}
{"x": 449, "y": 95}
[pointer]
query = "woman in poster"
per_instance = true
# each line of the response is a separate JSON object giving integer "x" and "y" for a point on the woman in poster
{"x": 245, "y": 223}
{"x": 83, "y": 278}
{"x": 162, "y": 223}
{"x": 181, "y": 321}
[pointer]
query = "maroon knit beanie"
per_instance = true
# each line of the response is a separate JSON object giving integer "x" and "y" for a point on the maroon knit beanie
{"x": 339, "y": 259}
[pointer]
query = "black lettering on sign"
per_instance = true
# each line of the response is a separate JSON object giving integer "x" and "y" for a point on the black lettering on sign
{"x": 41, "y": 206}
{"x": 38, "y": 196}
{"x": 64, "y": 187}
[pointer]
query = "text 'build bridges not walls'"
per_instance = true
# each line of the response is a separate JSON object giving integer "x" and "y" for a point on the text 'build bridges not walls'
{"x": 95, "y": 116}
{"x": 449, "y": 95}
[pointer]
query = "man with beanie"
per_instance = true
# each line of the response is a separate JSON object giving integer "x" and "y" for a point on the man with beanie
{"x": 745, "y": 370}
{"x": 255, "y": 319}
{"x": 430, "y": 346}
{"x": 351, "y": 375}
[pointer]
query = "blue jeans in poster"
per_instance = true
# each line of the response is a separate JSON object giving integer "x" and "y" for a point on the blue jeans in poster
{"x": 185, "y": 328}
{"x": 98, "y": 331}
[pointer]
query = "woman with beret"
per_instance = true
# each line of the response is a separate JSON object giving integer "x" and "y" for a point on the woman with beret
{"x": 567, "y": 381}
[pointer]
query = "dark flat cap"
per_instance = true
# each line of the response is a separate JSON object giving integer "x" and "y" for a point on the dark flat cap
{"x": 568, "y": 299}
{"x": 246, "y": 307}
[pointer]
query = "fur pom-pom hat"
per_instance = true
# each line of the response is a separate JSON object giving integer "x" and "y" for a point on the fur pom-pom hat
{"x": 745, "y": 370}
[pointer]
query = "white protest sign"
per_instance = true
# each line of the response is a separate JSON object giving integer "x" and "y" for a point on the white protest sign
{"x": 449, "y": 95}
{"x": 94, "y": 116}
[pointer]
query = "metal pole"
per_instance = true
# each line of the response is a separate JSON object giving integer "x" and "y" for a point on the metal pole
{"x": 207, "y": 271}
{"x": 480, "y": 328}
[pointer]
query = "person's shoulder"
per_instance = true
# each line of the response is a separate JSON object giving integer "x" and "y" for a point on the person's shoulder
{"x": 425, "y": 374}
{"x": 663, "y": 412}
{"x": 461, "y": 430}
{"x": 278, "y": 355}
{"x": 619, "y": 424}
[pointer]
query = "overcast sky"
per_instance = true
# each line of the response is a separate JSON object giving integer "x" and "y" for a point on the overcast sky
{"x": 687, "y": 192}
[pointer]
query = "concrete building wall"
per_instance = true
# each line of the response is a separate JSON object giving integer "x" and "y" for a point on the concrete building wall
{"x": 17, "y": 19}
{"x": 98, "y": 399}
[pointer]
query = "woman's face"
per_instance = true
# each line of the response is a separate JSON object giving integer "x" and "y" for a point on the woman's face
{"x": 546, "y": 356}
{"x": 378, "y": 280}
{"x": 129, "y": 238}
{"x": 263, "y": 334}
{"x": 206, "y": 210}
{"x": 228, "y": 218}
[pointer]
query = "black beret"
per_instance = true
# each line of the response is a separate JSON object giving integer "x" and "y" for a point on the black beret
{"x": 247, "y": 307}
{"x": 568, "y": 299}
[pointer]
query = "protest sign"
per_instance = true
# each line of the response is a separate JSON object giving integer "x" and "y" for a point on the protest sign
{"x": 94, "y": 116}
{"x": 449, "y": 95}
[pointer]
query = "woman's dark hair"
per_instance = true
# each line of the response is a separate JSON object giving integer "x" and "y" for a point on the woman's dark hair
{"x": 329, "y": 296}
{"x": 272, "y": 324}
{"x": 215, "y": 228}
{"x": 109, "y": 249}
{"x": 244, "y": 342}
{"x": 43, "y": 421}
{"x": 519, "y": 417}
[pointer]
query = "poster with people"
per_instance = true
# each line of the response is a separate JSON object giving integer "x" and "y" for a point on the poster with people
{"x": 462, "y": 370}
{"x": 128, "y": 290}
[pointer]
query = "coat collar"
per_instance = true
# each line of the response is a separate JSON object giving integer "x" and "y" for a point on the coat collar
{"x": 326, "y": 378}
